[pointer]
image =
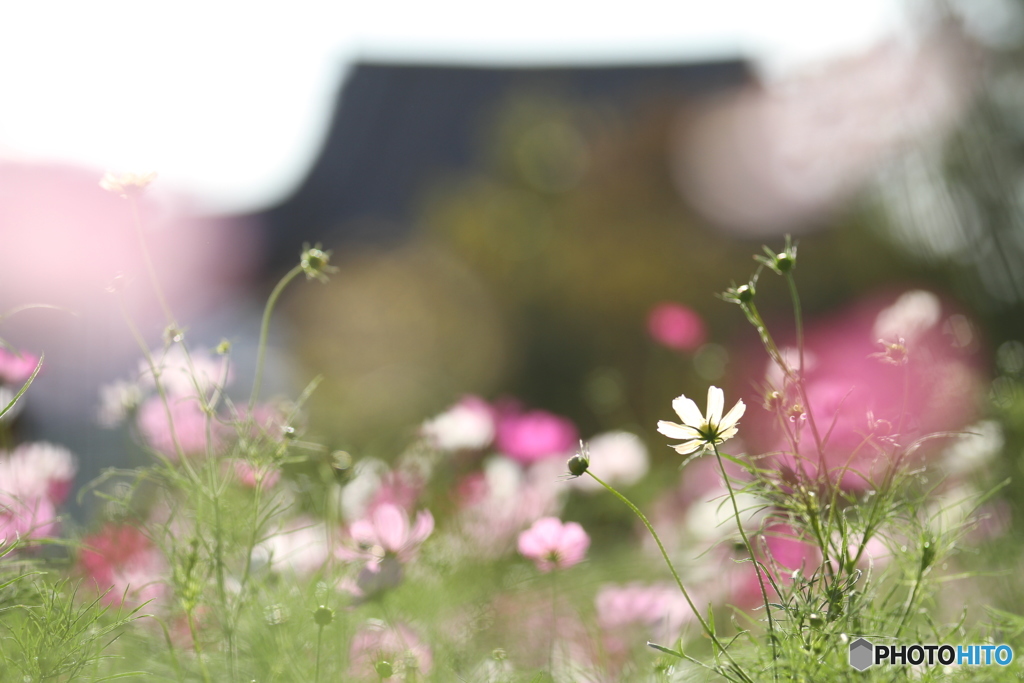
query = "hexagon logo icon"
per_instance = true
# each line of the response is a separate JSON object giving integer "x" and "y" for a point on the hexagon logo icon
{"x": 862, "y": 654}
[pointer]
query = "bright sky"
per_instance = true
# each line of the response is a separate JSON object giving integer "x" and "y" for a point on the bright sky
{"x": 229, "y": 100}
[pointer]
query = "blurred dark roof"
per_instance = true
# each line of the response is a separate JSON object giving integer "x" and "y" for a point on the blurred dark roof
{"x": 394, "y": 125}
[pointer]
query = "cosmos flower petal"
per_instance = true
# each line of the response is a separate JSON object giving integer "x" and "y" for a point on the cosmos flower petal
{"x": 733, "y": 416}
{"x": 728, "y": 434}
{"x": 688, "y": 412}
{"x": 716, "y": 402}
{"x": 392, "y": 526}
{"x": 677, "y": 431}
{"x": 688, "y": 447}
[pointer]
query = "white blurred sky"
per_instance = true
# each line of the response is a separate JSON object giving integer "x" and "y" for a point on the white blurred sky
{"x": 229, "y": 100}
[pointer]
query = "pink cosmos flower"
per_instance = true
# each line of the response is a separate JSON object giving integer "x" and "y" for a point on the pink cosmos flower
{"x": 386, "y": 532}
{"x": 398, "y": 645}
{"x": 33, "y": 518}
{"x": 189, "y": 426}
{"x": 469, "y": 425}
{"x": 498, "y": 503}
{"x": 34, "y": 479}
{"x": 782, "y": 552}
{"x": 676, "y": 326}
{"x": 15, "y": 369}
{"x": 871, "y": 397}
{"x": 534, "y": 435}
{"x": 554, "y": 545}
{"x": 122, "y": 559}
{"x": 180, "y": 375}
{"x": 397, "y": 488}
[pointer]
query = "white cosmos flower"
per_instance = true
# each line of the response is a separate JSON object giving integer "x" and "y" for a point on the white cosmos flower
{"x": 700, "y": 431}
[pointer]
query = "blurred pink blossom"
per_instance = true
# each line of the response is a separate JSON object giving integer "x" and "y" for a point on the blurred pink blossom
{"x": 498, "y": 503}
{"x": 676, "y": 326}
{"x": 398, "y": 488}
{"x": 269, "y": 420}
{"x": 181, "y": 373}
{"x": 782, "y": 552}
{"x": 469, "y": 424}
{"x": 31, "y": 518}
{"x": 14, "y": 368}
{"x": 189, "y": 426}
{"x": 534, "y": 435}
{"x": 34, "y": 479}
{"x": 123, "y": 559}
{"x": 386, "y": 532}
{"x": 554, "y": 545}
{"x": 251, "y": 476}
{"x": 397, "y": 644}
{"x": 871, "y": 399}
{"x": 301, "y": 546}
{"x": 660, "y": 608}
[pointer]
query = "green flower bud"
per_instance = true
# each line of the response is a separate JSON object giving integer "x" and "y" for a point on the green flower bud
{"x": 384, "y": 669}
{"x": 323, "y": 616}
{"x": 316, "y": 263}
{"x": 579, "y": 463}
{"x": 784, "y": 262}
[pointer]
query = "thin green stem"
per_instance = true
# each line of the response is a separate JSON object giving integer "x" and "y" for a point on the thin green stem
{"x": 910, "y": 601}
{"x": 819, "y": 444}
{"x": 197, "y": 647}
{"x": 149, "y": 262}
{"x": 753, "y": 558}
{"x": 264, "y": 331}
{"x": 319, "y": 639}
{"x": 679, "y": 582}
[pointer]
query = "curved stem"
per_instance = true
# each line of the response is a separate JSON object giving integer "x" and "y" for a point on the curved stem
{"x": 675, "y": 574}
{"x": 149, "y": 263}
{"x": 264, "y": 330}
{"x": 757, "y": 565}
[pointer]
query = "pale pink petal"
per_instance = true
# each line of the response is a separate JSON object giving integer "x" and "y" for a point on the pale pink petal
{"x": 392, "y": 526}
{"x": 530, "y": 545}
{"x": 422, "y": 528}
{"x": 363, "y": 533}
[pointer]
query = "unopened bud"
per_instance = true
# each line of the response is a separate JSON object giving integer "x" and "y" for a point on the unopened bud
{"x": 323, "y": 616}
{"x": 579, "y": 463}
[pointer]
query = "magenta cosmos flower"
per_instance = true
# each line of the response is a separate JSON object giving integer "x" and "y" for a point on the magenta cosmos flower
{"x": 124, "y": 564}
{"x": 676, "y": 326}
{"x": 554, "y": 545}
{"x": 16, "y": 368}
{"x": 527, "y": 437}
